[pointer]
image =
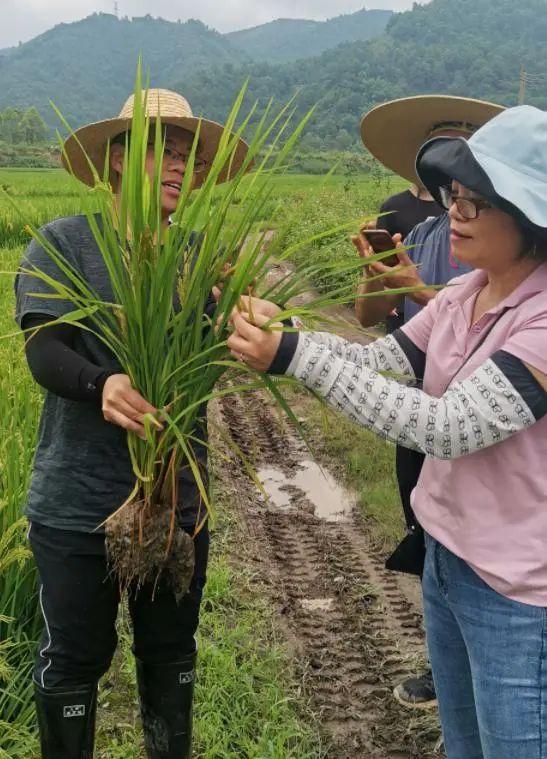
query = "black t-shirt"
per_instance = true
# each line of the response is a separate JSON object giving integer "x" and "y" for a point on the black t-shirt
{"x": 82, "y": 470}
{"x": 408, "y": 211}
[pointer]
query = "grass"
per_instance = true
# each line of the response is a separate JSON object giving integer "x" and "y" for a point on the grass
{"x": 247, "y": 701}
{"x": 322, "y": 206}
{"x": 247, "y": 704}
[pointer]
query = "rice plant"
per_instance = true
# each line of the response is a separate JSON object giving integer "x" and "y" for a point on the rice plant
{"x": 157, "y": 326}
{"x": 20, "y": 617}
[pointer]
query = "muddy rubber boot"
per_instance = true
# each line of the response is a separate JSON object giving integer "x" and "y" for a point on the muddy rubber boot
{"x": 66, "y": 719}
{"x": 166, "y": 693}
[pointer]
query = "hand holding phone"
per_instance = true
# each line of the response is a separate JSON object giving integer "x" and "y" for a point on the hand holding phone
{"x": 381, "y": 241}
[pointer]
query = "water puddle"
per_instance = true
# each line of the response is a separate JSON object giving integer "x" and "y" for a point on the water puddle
{"x": 317, "y": 604}
{"x": 330, "y": 501}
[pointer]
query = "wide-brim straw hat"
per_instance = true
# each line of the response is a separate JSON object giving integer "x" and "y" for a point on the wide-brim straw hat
{"x": 395, "y": 131}
{"x": 173, "y": 109}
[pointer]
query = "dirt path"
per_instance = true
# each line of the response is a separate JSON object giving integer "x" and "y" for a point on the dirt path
{"x": 353, "y": 627}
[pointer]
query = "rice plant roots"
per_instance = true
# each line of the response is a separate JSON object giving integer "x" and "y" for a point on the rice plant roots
{"x": 146, "y": 544}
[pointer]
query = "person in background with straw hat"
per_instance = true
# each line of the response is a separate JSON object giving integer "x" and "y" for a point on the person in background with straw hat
{"x": 393, "y": 133}
{"x": 481, "y": 420}
{"x": 82, "y": 471}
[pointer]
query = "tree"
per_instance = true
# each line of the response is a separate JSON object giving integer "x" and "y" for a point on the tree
{"x": 32, "y": 127}
{"x": 10, "y": 120}
{"x": 344, "y": 140}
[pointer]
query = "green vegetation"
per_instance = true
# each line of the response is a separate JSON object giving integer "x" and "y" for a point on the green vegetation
{"x": 21, "y": 620}
{"x": 85, "y": 91}
{"x": 18, "y": 126}
{"x": 287, "y": 40}
{"x": 246, "y": 698}
{"x": 23, "y": 135}
{"x": 330, "y": 203}
{"x": 247, "y": 701}
{"x": 365, "y": 462}
{"x": 473, "y": 48}
{"x": 463, "y": 47}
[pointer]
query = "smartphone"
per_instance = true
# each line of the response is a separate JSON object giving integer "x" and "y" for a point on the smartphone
{"x": 380, "y": 241}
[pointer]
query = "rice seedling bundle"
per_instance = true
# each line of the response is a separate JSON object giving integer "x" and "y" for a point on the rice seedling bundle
{"x": 159, "y": 327}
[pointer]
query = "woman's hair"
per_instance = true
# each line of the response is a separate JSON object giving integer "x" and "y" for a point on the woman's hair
{"x": 534, "y": 238}
{"x": 534, "y": 242}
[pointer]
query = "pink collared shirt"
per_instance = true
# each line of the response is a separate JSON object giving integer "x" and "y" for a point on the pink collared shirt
{"x": 490, "y": 507}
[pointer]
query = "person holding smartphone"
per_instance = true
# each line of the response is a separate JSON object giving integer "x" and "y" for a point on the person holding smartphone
{"x": 393, "y": 133}
{"x": 399, "y": 214}
{"x": 480, "y": 417}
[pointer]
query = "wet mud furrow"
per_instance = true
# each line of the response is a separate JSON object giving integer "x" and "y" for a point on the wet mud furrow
{"x": 353, "y": 631}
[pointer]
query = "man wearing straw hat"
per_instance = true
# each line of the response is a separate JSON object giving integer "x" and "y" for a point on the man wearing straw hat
{"x": 82, "y": 471}
{"x": 393, "y": 133}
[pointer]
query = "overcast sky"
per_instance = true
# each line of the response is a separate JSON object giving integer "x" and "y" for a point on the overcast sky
{"x": 24, "y": 19}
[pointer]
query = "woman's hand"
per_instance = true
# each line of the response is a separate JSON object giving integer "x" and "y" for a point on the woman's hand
{"x": 252, "y": 305}
{"x": 124, "y": 406}
{"x": 254, "y": 346}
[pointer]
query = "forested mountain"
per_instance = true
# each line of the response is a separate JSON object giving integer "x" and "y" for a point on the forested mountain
{"x": 291, "y": 39}
{"x": 88, "y": 67}
{"x": 461, "y": 47}
{"x": 464, "y": 47}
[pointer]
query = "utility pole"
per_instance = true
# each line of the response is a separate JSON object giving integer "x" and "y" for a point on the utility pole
{"x": 522, "y": 86}
{"x": 116, "y": 10}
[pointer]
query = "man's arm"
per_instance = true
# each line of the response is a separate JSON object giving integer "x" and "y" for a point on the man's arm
{"x": 372, "y": 310}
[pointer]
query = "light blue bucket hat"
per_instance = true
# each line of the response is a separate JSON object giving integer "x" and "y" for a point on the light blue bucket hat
{"x": 505, "y": 161}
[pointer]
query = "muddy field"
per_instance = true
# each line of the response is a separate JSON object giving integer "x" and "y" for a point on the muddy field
{"x": 354, "y": 628}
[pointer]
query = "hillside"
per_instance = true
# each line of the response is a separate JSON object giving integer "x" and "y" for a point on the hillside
{"x": 287, "y": 40}
{"x": 88, "y": 67}
{"x": 56, "y": 65}
{"x": 462, "y": 47}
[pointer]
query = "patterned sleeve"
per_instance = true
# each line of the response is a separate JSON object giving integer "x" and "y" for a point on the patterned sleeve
{"x": 395, "y": 354}
{"x": 383, "y": 355}
{"x": 498, "y": 400}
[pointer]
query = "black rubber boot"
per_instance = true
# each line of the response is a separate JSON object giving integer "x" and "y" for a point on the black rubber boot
{"x": 66, "y": 719}
{"x": 166, "y": 693}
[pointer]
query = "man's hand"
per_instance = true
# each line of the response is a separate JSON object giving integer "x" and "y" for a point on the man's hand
{"x": 124, "y": 406}
{"x": 405, "y": 274}
{"x": 365, "y": 250}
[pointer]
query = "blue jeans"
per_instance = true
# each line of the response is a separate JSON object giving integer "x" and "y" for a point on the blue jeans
{"x": 489, "y": 660}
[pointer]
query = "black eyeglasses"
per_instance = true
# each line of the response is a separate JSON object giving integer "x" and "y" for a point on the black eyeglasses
{"x": 171, "y": 154}
{"x": 468, "y": 208}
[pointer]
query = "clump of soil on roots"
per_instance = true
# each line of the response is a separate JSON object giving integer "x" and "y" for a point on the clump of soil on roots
{"x": 144, "y": 543}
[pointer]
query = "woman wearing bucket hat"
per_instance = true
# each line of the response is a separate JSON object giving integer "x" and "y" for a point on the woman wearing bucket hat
{"x": 393, "y": 132}
{"x": 82, "y": 472}
{"x": 480, "y": 419}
